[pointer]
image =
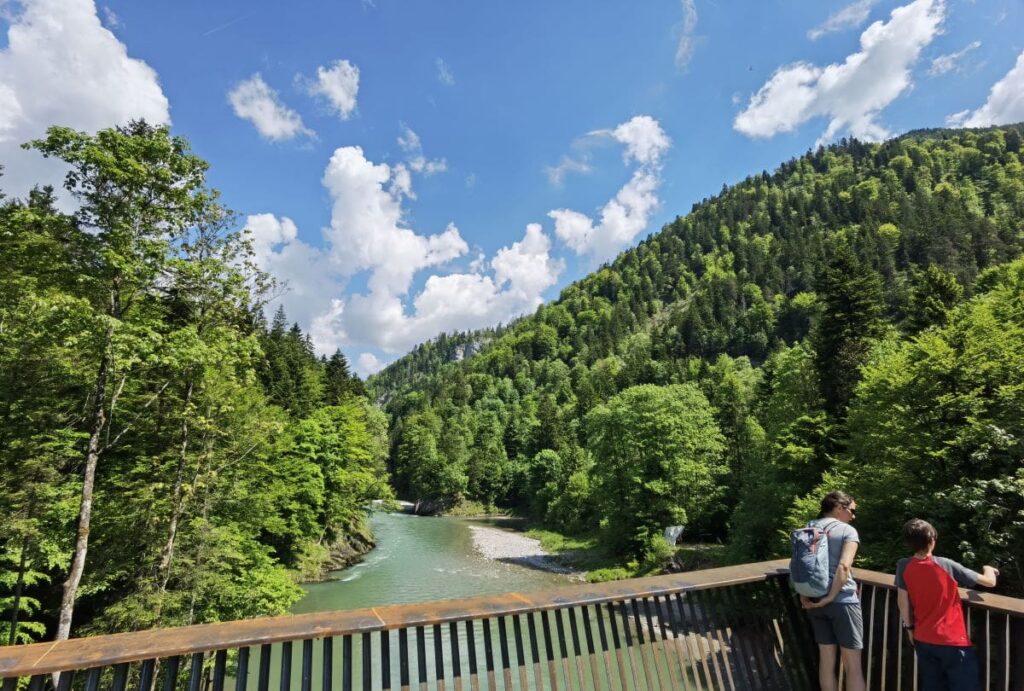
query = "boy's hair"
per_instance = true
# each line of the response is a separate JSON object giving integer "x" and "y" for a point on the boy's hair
{"x": 833, "y": 499}
{"x": 918, "y": 534}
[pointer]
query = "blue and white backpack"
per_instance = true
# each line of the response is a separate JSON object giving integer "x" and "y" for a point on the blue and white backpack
{"x": 809, "y": 569}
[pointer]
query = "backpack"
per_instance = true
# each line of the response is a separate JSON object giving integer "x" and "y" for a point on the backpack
{"x": 809, "y": 569}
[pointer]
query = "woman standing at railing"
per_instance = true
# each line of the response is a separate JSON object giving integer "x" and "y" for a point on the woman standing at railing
{"x": 837, "y": 619}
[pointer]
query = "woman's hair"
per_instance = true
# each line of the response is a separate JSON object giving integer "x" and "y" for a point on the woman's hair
{"x": 918, "y": 534}
{"x": 832, "y": 500}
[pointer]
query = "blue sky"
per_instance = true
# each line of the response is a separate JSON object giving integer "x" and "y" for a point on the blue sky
{"x": 415, "y": 167}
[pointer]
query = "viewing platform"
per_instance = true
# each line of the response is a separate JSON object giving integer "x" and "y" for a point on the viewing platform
{"x": 736, "y": 627}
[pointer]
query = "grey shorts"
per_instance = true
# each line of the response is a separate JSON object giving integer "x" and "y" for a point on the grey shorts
{"x": 839, "y": 624}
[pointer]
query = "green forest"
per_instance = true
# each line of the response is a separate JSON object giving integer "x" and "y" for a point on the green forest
{"x": 854, "y": 320}
{"x": 166, "y": 456}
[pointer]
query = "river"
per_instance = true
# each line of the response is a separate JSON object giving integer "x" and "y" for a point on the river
{"x": 418, "y": 559}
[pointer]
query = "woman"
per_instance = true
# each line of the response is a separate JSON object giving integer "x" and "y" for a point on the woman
{"x": 836, "y": 618}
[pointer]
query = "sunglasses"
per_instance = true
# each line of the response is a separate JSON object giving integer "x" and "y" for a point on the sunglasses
{"x": 853, "y": 511}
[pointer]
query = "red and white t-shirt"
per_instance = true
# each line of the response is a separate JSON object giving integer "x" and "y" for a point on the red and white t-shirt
{"x": 932, "y": 584}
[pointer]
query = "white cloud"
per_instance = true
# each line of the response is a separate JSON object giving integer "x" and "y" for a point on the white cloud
{"x": 687, "y": 40}
{"x": 110, "y": 18}
{"x": 1005, "y": 102}
{"x": 256, "y": 102}
{"x": 368, "y": 363}
{"x": 368, "y": 235}
{"x": 339, "y": 85}
{"x": 853, "y": 93}
{"x": 62, "y": 67}
{"x": 410, "y": 143}
{"x": 629, "y": 212}
{"x": 444, "y": 73}
{"x": 849, "y": 17}
{"x": 556, "y": 174}
{"x": 951, "y": 61}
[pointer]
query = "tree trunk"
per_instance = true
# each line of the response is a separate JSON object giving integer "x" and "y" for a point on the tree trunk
{"x": 92, "y": 457}
{"x": 13, "y": 638}
{"x": 178, "y": 504}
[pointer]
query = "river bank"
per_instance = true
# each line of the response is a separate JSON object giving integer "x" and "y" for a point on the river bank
{"x": 515, "y": 548}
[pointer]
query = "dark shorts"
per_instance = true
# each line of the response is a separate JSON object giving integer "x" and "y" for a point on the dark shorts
{"x": 946, "y": 668}
{"x": 839, "y": 624}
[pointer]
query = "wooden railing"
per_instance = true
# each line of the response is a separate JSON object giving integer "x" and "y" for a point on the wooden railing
{"x": 731, "y": 628}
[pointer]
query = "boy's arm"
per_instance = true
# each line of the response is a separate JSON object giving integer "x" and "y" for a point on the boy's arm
{"x": 906, "y": 614}
{"x": 988, "y": 576}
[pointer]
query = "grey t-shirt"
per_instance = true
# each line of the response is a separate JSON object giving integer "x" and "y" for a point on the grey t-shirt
{"x": 839, "y": 534}
{"x": 964, "y": 577}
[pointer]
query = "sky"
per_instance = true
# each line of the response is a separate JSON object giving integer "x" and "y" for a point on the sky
{"x": 411, "y": 168}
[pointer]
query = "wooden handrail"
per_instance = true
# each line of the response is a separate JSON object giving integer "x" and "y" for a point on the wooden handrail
{"x": 82, "y": 653}
{"x": 975, "y": 598}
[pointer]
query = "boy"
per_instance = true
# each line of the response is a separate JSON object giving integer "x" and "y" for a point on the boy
{"x": 930, "y": 608}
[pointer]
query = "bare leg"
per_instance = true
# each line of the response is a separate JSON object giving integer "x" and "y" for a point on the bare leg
{"x": 854, "y": 670}
{"x": 827, "y": 667}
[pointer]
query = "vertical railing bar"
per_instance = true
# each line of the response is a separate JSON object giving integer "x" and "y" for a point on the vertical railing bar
{"x": 220, "y": 659}
{"x": 307, "y": 665}
{"x": 36, "y": 683}
{"x": 563, "y": 647}
{"x": 534, "y": 651}
{"x": 242, "y": 675}
{"x": 631, "y": 647}
{"x": 171, "y": 673}
{"x": 988, "y": 648}
{"x": 710, "y": 616}
{"x": 721, "y": 608}
{"x": 679, "y": 642}
{"x": 652, "y": 635}
{"x": 588, "y": 636}
{"x": 438, "y": 657}
{"x": 120, "y": 677}
{"x": 620, "y": 658}
{"x": 385, "y": 660}
{"x": 453, "y": 640}
{"x": 686, "y": 623}
{"x": 474, "y": 681}
{"x": 759, "y": 624}
{"x": 347, "y": 673}
{"x": 885, "y": 639}
{"x": 1006, "y": 655}
{"x": 403, "y": 659}
{"x": 327, "y": 665}
{"x": 286, "y": 666}
{"x": 421, "y": 656}
{"x": 574, "y": 630}
{"x": 10, "y": 684}
{"x": 805, "y": 647}
{"x": 485, "y": 624}
{"x": 899, "y": 652}
{"x": 195, "y": 677}
{"x": 871, "y": 634}
{"x": 609, "y": 664}
{"x": 783, "y": 635}
{"x": 263, "y": 680}
{"x": 145, "y": 677}
{"x": 669, "y": 633}
{"x": 92, "y": 679}
{"x": 517, "y": 634}
{"x": 697, "y": 624}
{"x": 367, "y": 654}
{"x": 748, "y": 593}
{"x": 506, "y": 664}
{"x": 549, "y": 649}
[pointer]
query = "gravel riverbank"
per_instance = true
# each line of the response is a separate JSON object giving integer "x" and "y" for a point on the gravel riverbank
{"x": 515, "y": 548}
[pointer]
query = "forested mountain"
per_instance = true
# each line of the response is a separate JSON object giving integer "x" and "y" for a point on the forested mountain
{"x": 166, "y": 457}
{"x": 851, "y": 320}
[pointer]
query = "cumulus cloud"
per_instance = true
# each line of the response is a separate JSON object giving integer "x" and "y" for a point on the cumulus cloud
{"x": 256, "y": 102}
{"x": 1005, "y": 102}
{"x": 687, "y": 40}
{"x": 853, "y": 93}
{"x": 368, "y": 236}
{"x": 848, "y": 17}
{"x": 410, "y": 143}
{"x": 628, "y": 213}
{"x": 444, "y": 73}
{"x": 62, "y": 67}
{"x": 951, "y": 61}
{"x": 338, "y": 85}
